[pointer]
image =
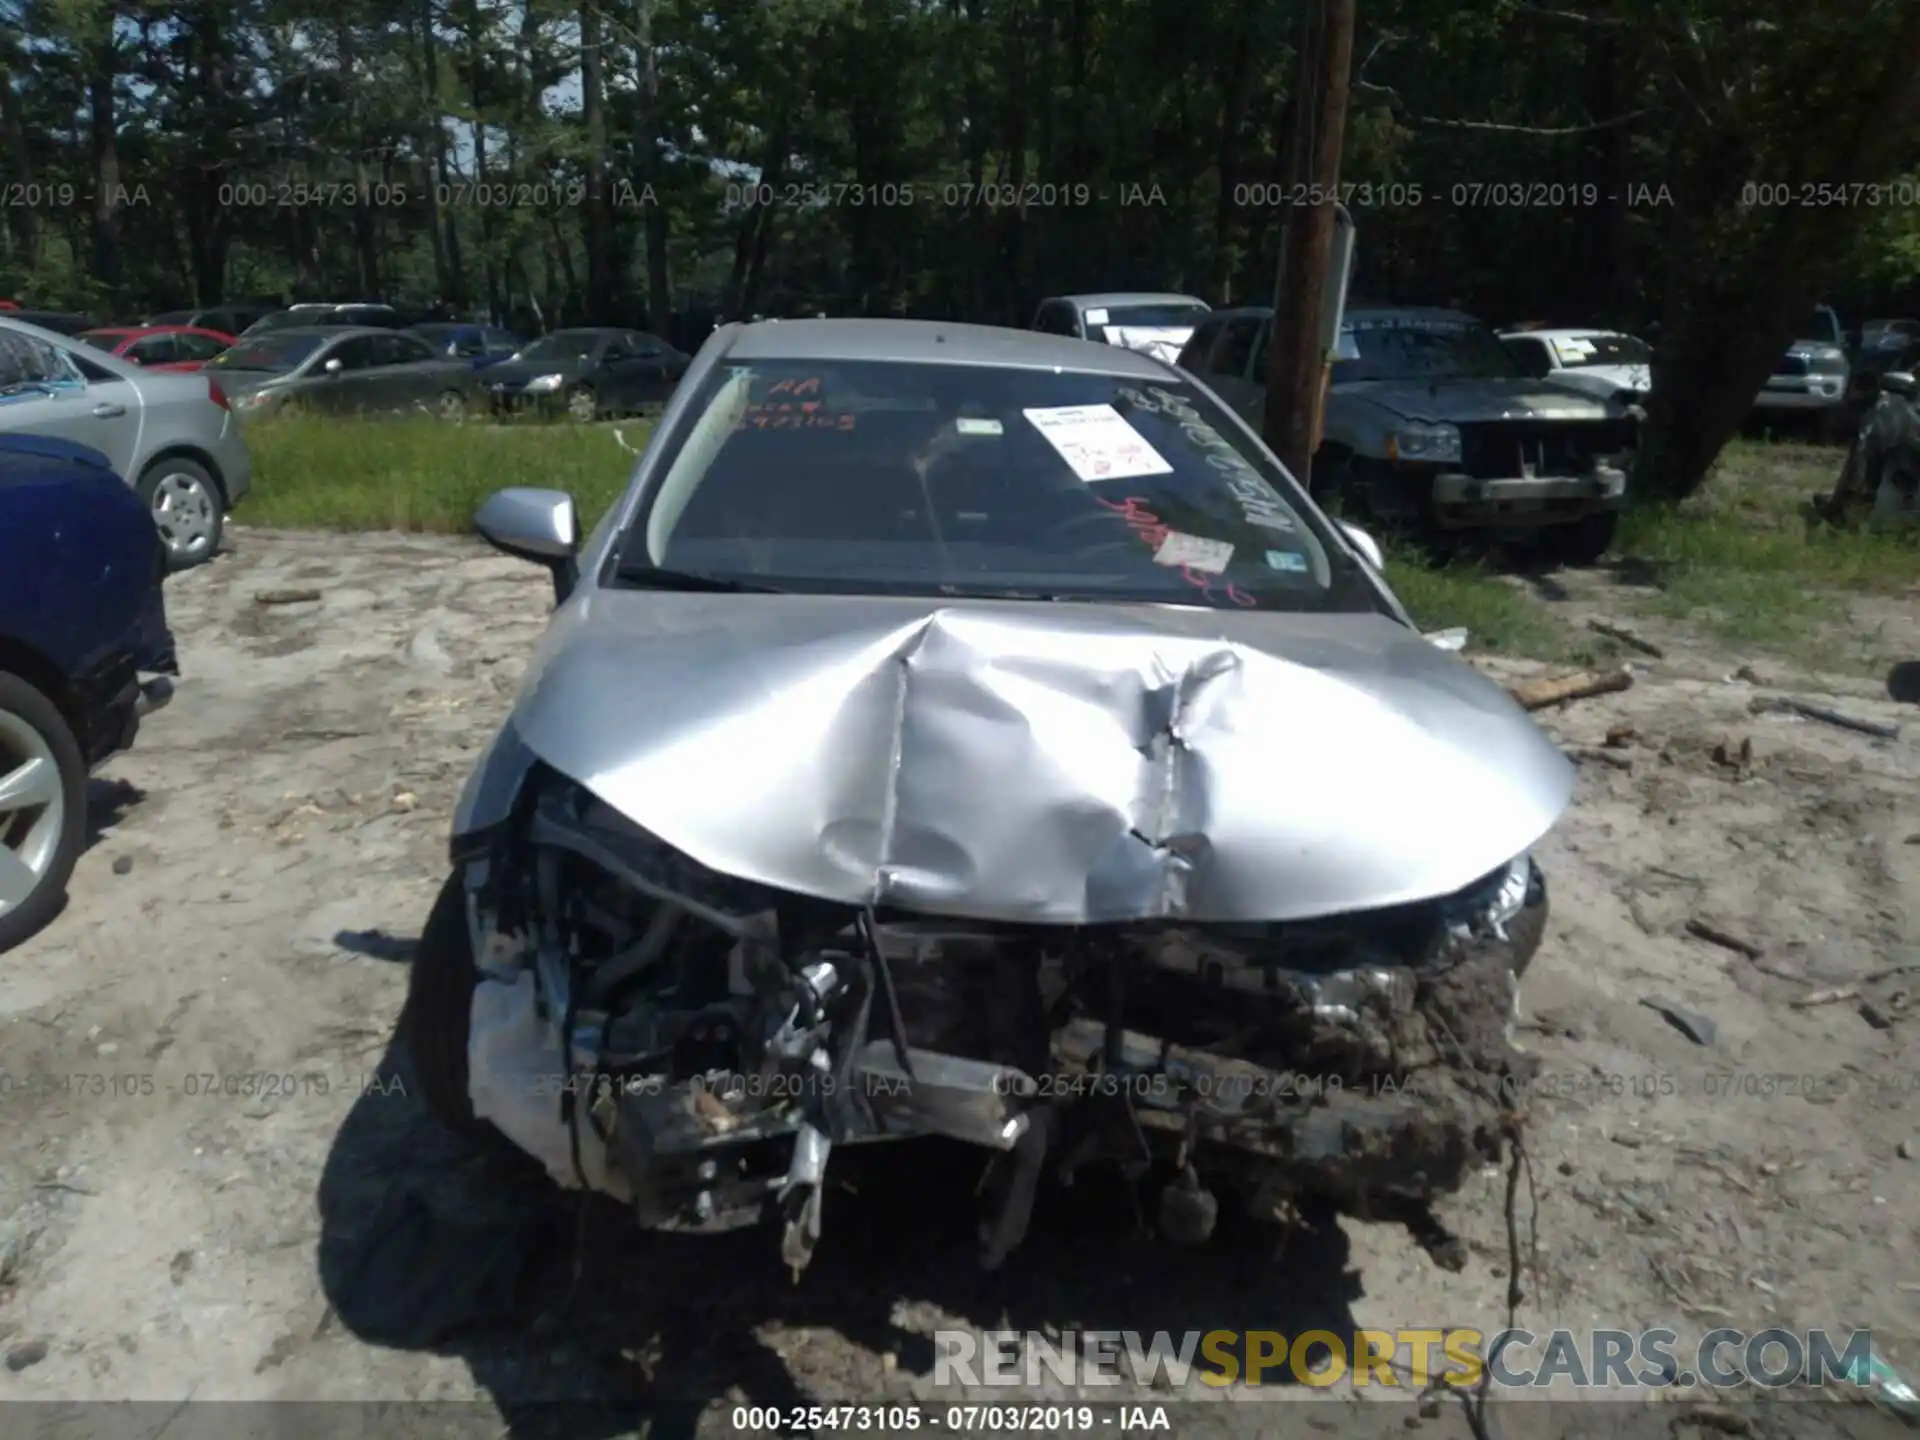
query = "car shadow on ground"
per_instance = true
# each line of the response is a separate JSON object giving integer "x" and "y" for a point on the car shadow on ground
{"x": 576, "y": 1323}
{"x": 108, "y": 803}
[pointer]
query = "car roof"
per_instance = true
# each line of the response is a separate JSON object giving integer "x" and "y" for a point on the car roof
{"x": 1113, "y": 299}
{"x": 1568, "y": 334}
{"x": 910, "y": 342}
{"x": 324, "y": 332}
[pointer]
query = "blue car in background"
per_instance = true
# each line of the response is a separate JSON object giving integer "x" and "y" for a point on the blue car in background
{"x": 484, "y": 345}
{"x": 84, "y": 654}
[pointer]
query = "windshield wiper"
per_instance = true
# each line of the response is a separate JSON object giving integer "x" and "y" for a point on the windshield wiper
{"x": 655, "y": 577}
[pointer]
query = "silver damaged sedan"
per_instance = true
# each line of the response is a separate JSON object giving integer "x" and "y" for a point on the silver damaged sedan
{"x": 971, "y": 733}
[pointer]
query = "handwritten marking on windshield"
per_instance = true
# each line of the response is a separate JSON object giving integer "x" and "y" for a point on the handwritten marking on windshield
{"x": 1154, "y": 533}
{"x": 807, "y": 415}
{"x": 809, "y": 386}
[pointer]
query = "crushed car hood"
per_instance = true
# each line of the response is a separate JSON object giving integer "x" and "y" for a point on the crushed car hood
{"x": 1030, "y": 762}
{"x": 1457, "y": 401}
{"x": 1606, "y": 379}
{"x": 1163, "y": 342}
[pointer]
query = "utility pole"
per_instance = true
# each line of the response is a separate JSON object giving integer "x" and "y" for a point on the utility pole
{"x": 1297, "y": 368}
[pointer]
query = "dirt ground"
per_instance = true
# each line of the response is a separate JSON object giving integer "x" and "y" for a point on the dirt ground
{"x": 172, "y": 1225}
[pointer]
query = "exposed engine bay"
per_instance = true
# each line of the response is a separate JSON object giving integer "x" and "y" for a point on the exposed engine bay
{"x": 726, "y": 1039}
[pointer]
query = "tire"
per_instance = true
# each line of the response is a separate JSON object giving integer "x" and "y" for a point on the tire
{"x": 38, "y": 844}
{"x": 583, "y": 406}
{"x": 187, "y": 506}
{"x": 1583, "y": 541}
{"x": 438, "y": 1014}
{"x": 452, "y": 405}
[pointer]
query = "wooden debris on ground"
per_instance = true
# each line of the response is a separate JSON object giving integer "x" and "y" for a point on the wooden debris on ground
{"x": 1627, "y": 638}
{"x": 1788, "y": 705}
{"x": 1714, "y": 935}
{"x": 1581, "y": 685}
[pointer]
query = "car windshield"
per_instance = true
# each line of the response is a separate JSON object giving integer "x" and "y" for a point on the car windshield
{"x": 1823, "y": 326}
{"x": 101, "y": 339}
{"x": 863, "y": 477}
{"x": 1145, "y": 317}
{"x": 563, "y": 345}
{"x": 280, "y": 320}
{"x": 1420, "y": 347}
{"x": 1578, "y": 351}
{"x": 276, "y": 353}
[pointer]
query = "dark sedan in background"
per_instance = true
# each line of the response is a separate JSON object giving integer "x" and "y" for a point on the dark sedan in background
{"x": 361, "y": 314}
{"x": 61, "y": 322}
{"x": 225, "y": 319}
{"x": 479, "y": 345}
{"x": 343, "y": 371}
{"x": 82, "y": 619}
{"x": 593, "y": 373}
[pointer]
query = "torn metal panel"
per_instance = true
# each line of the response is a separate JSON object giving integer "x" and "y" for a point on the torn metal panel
{"x": 1045, "y": 764}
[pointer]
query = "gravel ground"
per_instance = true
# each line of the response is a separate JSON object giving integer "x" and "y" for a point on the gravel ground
{"x": 198, "y": 1206}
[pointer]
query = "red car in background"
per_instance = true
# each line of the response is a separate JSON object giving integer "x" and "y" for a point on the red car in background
{"x": 159, "y": 347}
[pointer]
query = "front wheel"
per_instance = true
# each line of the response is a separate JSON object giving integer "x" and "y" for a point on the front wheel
{"x": 583, "y": 405}
{"x": 453, "y": 406}
{"x": 438, "y": 1014}
{"x": 1582, "y": 541}
{"x": 43, "y": 808}
{"x": 187, "y": 508}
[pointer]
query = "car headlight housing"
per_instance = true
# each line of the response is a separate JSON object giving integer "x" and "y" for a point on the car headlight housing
{"x": 1424, "y": 442}
{"x": 1828, "y": 360}
{"x": 543, "y": 385}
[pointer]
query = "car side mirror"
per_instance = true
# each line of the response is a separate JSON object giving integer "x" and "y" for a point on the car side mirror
{"x": 1368, "y": 547}
{"x": 1901, "y": 383}
{"x": 538, "y": 525}
{"x": 334, "y": 366}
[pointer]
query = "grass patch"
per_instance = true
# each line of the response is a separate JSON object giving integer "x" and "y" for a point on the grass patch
{"x": 423, "y": 474}
{"x": 1498, "y": 615}
{"x": 1739, "y": 561}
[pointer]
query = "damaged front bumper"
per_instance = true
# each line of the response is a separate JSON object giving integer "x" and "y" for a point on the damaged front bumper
{"x": 1464, "y": 501}
{"x": 722, "y": 1039}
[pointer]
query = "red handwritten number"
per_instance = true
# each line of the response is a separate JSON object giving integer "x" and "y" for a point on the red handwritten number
{"x": 1153, "y": 533}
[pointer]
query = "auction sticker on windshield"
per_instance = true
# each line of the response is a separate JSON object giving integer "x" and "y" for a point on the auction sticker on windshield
{"x": 1196, "y": 552}
{"x": 1097, "y": 442}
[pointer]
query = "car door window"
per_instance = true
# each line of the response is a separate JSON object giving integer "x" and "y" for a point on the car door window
{"x": 500, "y": 342}
{"x": 616, "y": 350}
{"x": 1533, "y": 356}
{"x": 359, "y": 353}
{"x": 1262, "y": 347}
{"x": 154, "y": 350}
{"x": 467, "y": 344}
{"x": 645, "y": 346}
{"x": 1236, "y": 347}
{"x": 408, "y": 350}
{"x": 1193, "y": 357}
{"x": 198, "y": 347}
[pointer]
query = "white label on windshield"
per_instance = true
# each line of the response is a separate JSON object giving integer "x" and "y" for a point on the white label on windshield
{"x": 966, "y": 425}
{"x": 1194, "y": 552}
{"x": 1096, "y": 317}
{"x": 1287, "y": 560}
{"x": 1572, "y": 352}
{"x": 1097, "y": 442}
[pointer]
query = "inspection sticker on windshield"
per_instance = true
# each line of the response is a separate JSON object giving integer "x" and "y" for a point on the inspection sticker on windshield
{"x": 1194, "y": 552}
{"x": 1097, "y": 443}
{"x": 1287, "y": 560}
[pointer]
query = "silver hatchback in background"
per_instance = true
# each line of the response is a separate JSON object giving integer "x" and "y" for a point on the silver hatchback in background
{"x": 173, "y": 437}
